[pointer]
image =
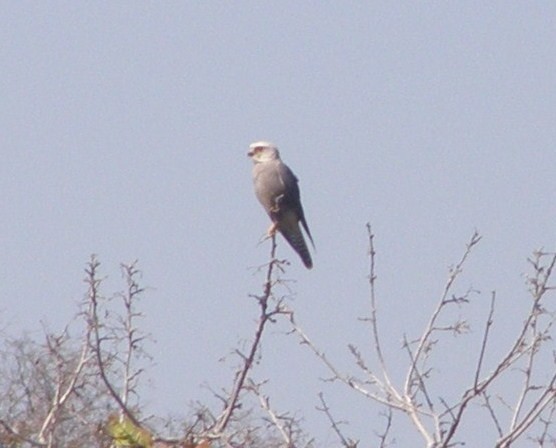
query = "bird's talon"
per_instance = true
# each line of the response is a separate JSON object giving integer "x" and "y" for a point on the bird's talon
{"x": 272, "y": 230}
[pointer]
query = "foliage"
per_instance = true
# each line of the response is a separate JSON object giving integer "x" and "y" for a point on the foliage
{"x": 125, "y": 433}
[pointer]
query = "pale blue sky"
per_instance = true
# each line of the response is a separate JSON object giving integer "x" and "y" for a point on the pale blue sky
{"x": 124, "y": 128}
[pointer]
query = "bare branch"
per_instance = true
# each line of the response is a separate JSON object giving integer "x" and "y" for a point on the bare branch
{"x": 346, "y": 443}
{"x": 520, "y": 348}
{"x": 383, "y": 437}
{"x": 492, "y": 413}
{"x": 373, "y": 318}
{"x": 131, "y": 333}
{"x": 93, "y": 283}
{"x": 62, "y": 393}
{"x": 282, "y": 423}
{"x": 488, "y": 324}
{"x": 264, "y": 317}
{"x": 18, "y": 437}
{"x": 424, "y": 340}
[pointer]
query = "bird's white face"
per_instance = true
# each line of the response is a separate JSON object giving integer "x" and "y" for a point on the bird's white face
{"x": 263, "y": 152}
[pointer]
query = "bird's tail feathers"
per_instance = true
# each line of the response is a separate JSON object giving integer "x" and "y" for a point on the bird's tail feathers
{"x": 297, "y": 242}
{"x": 306, "y": 227}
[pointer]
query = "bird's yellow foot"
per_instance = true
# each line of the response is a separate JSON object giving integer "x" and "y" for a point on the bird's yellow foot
{"x": 272, "y": 230}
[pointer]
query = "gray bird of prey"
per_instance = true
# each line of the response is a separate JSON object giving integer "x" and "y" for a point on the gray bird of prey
{"x": 277, "y": 190}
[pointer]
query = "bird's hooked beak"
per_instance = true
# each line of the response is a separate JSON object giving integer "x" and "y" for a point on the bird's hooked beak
{"x": 253, "y": 150}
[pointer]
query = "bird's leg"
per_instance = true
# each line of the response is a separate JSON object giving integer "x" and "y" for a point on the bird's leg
{"x": 277, "y": 201}
{"x": 274, "y": 214}
{"x": 272, "y": 229}
{"x": 270, "y": 233}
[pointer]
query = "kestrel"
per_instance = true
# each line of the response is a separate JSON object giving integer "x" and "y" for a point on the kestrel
{"x": 277, "y": 190}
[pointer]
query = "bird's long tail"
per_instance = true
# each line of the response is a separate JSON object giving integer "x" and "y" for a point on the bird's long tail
{"x": 297, "y": 242}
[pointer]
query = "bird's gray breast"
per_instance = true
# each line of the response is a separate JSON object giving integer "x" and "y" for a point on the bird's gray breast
{"x": 268, "y": 183}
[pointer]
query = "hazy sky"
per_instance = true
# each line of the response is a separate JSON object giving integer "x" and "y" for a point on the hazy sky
{"x": 124, "y": 128}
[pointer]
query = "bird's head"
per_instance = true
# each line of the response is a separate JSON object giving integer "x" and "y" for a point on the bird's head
{"x": 263, "y": 152}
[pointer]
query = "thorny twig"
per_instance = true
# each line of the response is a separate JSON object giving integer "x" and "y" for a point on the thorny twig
{"x": 19, "y": 437}
{"x": 64, "y": 387}
{"x": 352, "y": 382}
{"x": 486, "y": 333}
{"x": 520, "y": 348}
{"x": 131, "y": 334}
{"x": 93, "y": 282}
{"x": 403, "y": 399}
{"x": 373, "y": 318}
{"x": 264, "y": 317}
{"x": 430, "y": 327}
{"x": 383, "y": 437}
{"x": 346, "y": 443}
{"x": 281, "y": 422}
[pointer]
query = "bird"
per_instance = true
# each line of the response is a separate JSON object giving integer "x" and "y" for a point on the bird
{"x": 277, "y": 189}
